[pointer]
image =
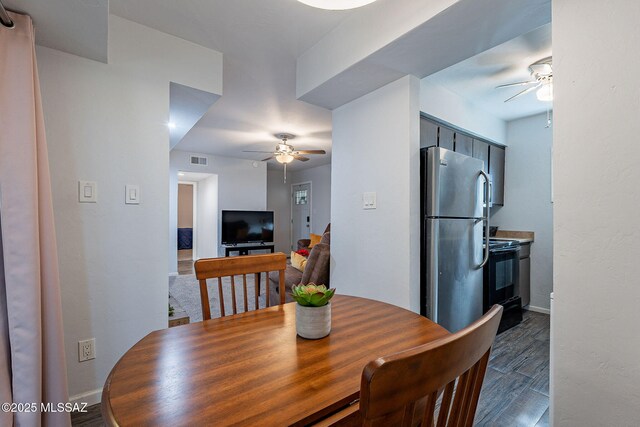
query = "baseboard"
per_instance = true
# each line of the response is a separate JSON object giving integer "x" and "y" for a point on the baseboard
{"x": 175, "y": 273}
{"x": 538, "y": 309}
{"x": 90, "y": 398}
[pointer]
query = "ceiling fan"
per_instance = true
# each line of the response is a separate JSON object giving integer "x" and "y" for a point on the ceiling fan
{"x": 285, "y": 153}
{"x": 542, "y": 74}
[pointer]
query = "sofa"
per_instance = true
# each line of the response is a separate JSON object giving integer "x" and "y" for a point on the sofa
{"x": 316, "y": 271}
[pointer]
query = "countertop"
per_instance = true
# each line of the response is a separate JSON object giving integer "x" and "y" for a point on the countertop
{"x": 519, "y": 236}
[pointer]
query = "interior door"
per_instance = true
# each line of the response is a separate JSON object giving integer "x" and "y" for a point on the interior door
{"x": 300, "y": 213}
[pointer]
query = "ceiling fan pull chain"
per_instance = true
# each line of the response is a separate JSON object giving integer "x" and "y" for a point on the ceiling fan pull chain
{"x": 285, "y": 173}
{"x": 548, "y": 118}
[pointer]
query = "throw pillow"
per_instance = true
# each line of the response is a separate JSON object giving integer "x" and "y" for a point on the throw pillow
{"x": 298, "y": 261}
{"x": 315, "y": 239}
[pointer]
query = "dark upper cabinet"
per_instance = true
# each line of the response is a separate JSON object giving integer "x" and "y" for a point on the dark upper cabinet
{"x": 428, "y": 133}
{"x": 445, "y": 138}
{"x": 481, "y": 151}
{"x": 434, "y": 134}
{"x": 464, "y": 144}
{"x": 496, "y": 170}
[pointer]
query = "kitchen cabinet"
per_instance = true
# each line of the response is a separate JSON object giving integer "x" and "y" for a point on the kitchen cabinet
{"x": 493, "y": 158}
{"x": 481, "y": 151}
{"x": 445, "y": 137}
{"x": 428, "y": 133}
{"x": 434, "y": 133}
{"x": 524, "y": 277}
{"x": 496, "y": 170}
{"x": 464, "y": 144}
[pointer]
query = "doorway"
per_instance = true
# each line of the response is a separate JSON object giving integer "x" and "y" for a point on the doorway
{"x": 196, "y": 218}
{"x": 300, "y": 212}
{"x": 187, "y": 209}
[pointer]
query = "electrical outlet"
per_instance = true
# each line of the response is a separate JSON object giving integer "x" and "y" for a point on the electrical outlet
{"x": 86, "y": 350}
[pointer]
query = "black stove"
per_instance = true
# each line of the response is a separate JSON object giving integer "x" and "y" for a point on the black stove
{"x": 501, "y": 277}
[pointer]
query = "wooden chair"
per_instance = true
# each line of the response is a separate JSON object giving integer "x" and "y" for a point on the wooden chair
{"x": 402, "y": 389}
{"x": 212, "y": 268}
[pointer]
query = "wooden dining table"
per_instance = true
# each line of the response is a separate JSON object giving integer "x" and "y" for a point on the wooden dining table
{"x": 252, "y": 368}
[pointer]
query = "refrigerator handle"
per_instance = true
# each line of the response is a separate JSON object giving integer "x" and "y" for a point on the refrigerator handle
{"x": 487, "y": 203}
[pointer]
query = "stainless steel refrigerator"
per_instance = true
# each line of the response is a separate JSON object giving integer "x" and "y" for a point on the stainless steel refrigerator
{"x": 455, "y": 194}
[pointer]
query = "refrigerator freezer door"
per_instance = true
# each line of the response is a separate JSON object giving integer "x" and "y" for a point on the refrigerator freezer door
{"x": 453, "y": 185}
{"x": 453, "y": 274}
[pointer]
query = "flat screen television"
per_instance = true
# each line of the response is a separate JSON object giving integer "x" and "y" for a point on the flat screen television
{"x": 247, "y": 227}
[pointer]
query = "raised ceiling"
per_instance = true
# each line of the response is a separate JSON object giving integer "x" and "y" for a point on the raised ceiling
{"x": 260, "y": 41}
{"x": 477, "y": 77}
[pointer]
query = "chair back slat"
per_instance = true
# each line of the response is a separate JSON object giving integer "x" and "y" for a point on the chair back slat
{"x": 244, "y": 287}
{"x": 445, "y": 406}
{"x": 220, "y": 295}
{"x": 256, "y": 288}
{"x": 212, "y": 268}
{"x": 393, "y": 387}
{"x": 233, "y": 295}
{"x": 427, "y": 416}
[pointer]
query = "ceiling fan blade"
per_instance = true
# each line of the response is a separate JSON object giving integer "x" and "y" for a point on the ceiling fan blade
{"x": 524, "y": 92}
{"x": 517, "y": 84}
{"x": 248, "y": 151}
{"x": 268, "y": 158}
{"x": 301, "y": 158}
{"x": 311, "y": 152}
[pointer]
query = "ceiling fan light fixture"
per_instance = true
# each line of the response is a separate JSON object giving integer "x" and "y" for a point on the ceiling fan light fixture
{"x": 545, "y": 93}
{"x": 284, "y": 158}
{"x": 336, "y": 4}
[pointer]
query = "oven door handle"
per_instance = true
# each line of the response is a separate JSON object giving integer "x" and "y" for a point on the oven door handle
{"x": 487, "y": 217}
{"x": 506, "y": 250}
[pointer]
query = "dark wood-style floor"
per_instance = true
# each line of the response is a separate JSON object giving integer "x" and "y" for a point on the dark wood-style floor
{"x": 515, "y": 392}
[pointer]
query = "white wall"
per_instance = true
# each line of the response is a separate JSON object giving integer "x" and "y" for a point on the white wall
{"x": 451, "y": 107}
{"x": 320, "y": 178}
{"x": 106, "y": 123}
{"x": 353, "y": 39}
{"x": 242, "y": 184}
{"x": 596, "y": 346}
{"x": 528, "y": 204}
{"x": 376, "y": 143}
{"x": 279, "y": 201}
{"x": 207, "y": 218}
{"x": 185, "y": 206}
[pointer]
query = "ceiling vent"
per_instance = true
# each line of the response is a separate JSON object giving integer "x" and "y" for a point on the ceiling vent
{"x": 199, "y": 160}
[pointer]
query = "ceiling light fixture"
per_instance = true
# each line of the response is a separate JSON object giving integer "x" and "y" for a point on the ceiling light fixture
{"x": 171, "y": 125}
{"x": 545, "y": 93}
{"x": 284, "y": 158}
{"x": 336, "y": 4}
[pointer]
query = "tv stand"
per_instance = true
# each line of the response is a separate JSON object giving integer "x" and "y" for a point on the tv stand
{"x": 244, "y": 250}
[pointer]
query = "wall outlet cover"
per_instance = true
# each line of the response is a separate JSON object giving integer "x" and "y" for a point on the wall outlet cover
{"x": 86, "y": 349}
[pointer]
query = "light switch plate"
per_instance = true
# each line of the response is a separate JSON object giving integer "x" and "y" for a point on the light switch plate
{"x": 369, "y": 200}
{"x": 87, "y": 192}
{"x": 132, "y": 194}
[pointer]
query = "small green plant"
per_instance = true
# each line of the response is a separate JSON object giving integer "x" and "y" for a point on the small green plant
{"x": 171, "y": 310}
{"x": 312, "y": 295}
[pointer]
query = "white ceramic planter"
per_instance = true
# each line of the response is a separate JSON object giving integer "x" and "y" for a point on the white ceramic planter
{"x": 313, "y": 322}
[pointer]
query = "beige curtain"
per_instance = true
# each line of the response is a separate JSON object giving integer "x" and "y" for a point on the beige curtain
{"x": 32, "y": 364}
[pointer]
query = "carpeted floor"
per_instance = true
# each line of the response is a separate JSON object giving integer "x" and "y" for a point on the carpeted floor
{"x": 186, "y": 290}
